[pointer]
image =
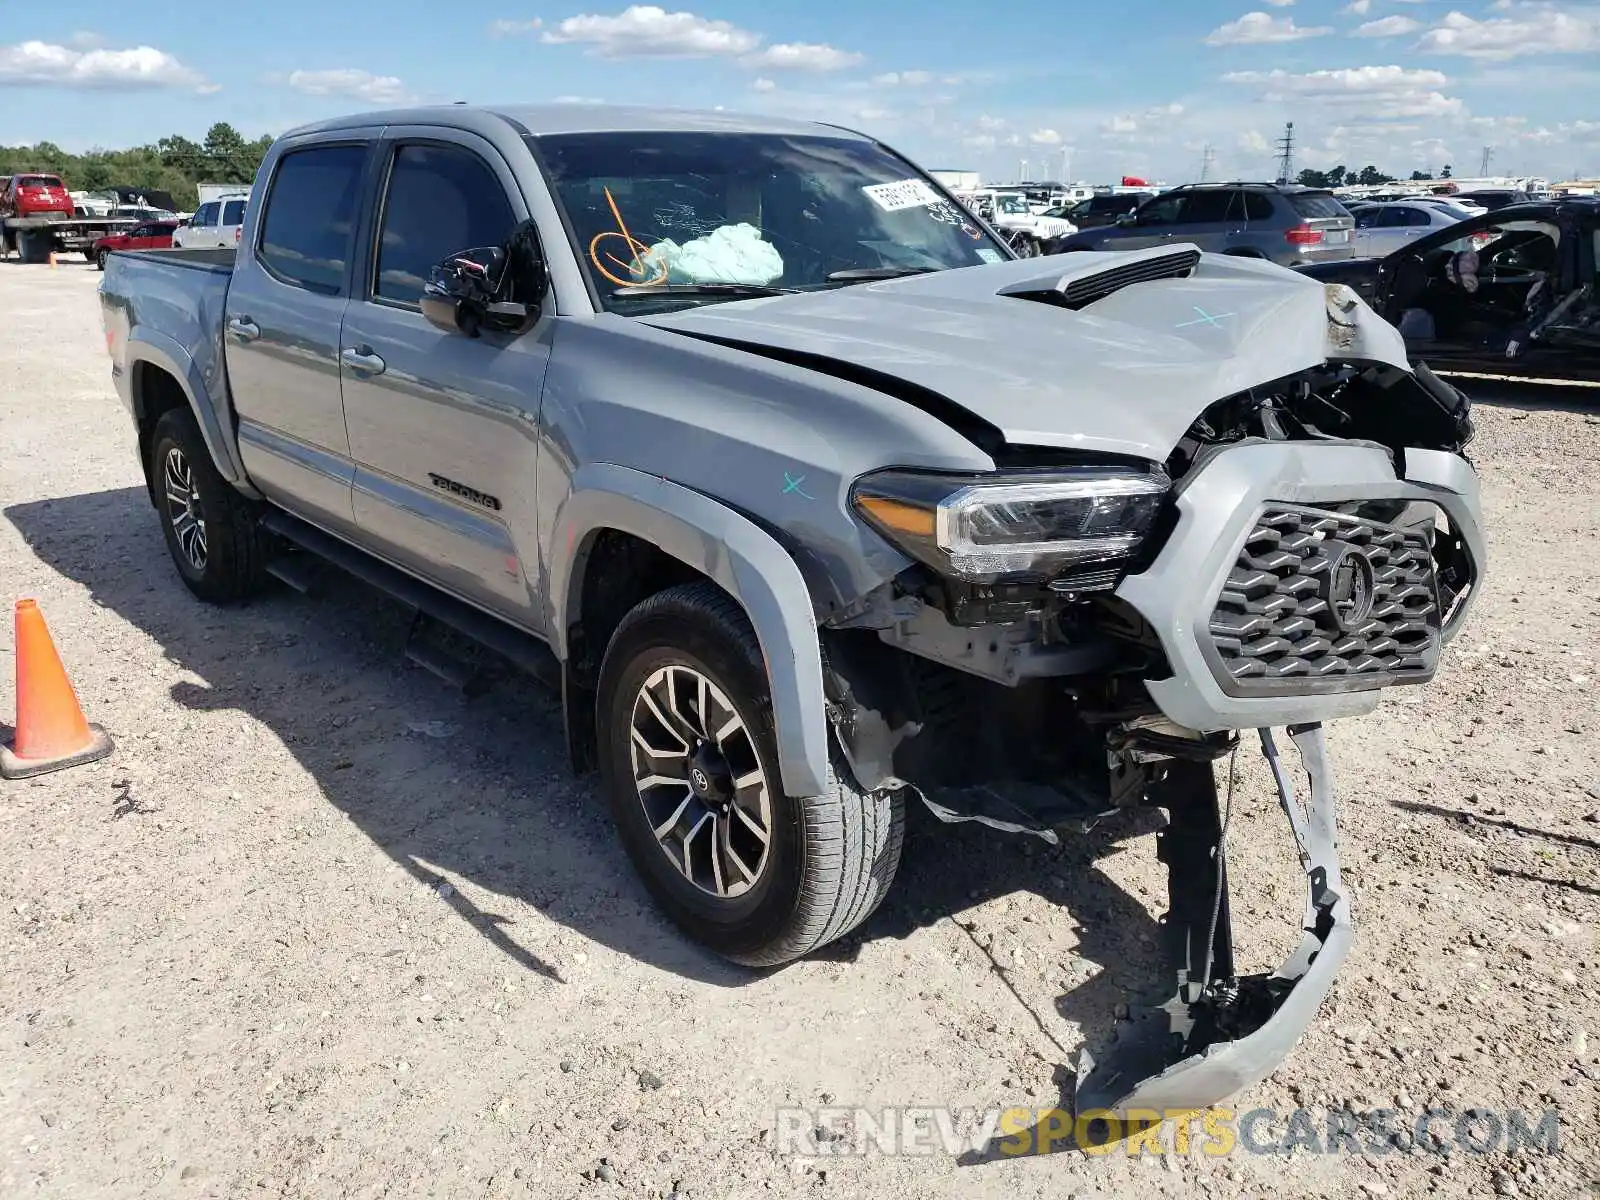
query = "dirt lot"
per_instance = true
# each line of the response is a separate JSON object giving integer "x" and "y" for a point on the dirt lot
{"x": 321, "y": 927}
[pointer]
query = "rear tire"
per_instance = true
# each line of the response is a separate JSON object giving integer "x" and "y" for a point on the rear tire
{"x": 212, "y": 533}
{"x": 98, "y": 257}
{"x": 826, "y": 861}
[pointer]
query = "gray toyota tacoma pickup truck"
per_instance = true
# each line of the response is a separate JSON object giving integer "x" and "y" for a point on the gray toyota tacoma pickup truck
{"x": 815, "y": 502}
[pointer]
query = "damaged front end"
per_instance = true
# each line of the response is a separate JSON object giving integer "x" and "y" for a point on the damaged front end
{"x": 1315, "y": 540}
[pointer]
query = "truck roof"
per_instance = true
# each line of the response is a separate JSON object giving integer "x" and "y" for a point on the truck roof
{"x": 541, "y": 119}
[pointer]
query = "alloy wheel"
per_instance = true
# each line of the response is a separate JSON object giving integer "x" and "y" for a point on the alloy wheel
{"x": 183, "y": 507}
{"x": 700, "y": 781}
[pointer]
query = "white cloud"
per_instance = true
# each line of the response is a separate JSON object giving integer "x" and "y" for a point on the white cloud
{"x": 576, "y": 100}
{"x": 507, "y": 28}
{"x": 990, "y": 124}
{"x": 86, "y": 39}
{"x": 1392, "y": 26}
{"x": 1045, "y": 137}
{"x": 1253, "y": 141}
{"x": 1257, "y": 28}
{"x": 358, "y": 85}
{"x": 1280, "y": 3}
{"x": 907, "y": 79}
{"x": 648, "y": 31}
{"x": 49, "y": 64}
{"x": 1380, "y": 92}
{"x": 763, "y": 84}
{"x": 804, "y": 56}
{"x": 1541, "y": 31}
{"x": 1121, "y": 125}
{"x": 1358, "y": 8}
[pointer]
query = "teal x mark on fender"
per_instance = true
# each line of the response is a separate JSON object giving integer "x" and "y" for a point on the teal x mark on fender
{"x": 791, "y": 485}
{"x": 1204, "y": 318}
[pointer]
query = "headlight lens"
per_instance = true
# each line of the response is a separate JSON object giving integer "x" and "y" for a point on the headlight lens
{"x": 985, "y": 528}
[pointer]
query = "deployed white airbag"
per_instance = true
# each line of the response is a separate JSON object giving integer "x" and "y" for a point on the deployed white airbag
{"x": 730, "y": 254}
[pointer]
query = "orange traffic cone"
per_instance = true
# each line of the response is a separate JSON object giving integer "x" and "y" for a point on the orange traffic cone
{"x": 51, "y": 732}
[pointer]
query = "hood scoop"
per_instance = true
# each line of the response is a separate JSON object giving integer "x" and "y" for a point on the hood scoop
{"x": 1086, "y": 281}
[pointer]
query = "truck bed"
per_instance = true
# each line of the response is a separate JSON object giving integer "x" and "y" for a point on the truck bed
{"x": 209, "y": 259}
{"x": 173, "y": 301}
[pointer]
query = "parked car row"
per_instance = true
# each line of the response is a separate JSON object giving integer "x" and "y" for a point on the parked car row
{"x": 1285, "y": 223}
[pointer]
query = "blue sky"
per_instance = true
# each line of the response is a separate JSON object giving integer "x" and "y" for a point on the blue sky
{"x": 1140, "y": 86}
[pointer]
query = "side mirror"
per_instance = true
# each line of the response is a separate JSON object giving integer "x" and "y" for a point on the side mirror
{"x": 498, "y": 288}
{"x": 1128, "y": 218}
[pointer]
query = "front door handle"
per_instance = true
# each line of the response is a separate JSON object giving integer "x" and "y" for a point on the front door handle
{"x": 244, "y": 329}
{"x": 359, "y": 358}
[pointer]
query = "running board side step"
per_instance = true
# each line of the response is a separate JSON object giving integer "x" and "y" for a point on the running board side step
{"x": 522, "y": 649}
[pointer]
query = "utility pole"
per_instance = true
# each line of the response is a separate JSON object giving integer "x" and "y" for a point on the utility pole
{"x": 1208, "y": 160}
{"x": 1483, "y": 167}
{"x": 1065, "y": 175}
{"x": 1286, "y": 154}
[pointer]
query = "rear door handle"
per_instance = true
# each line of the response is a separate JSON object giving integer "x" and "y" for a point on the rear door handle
{"x": 359, "y": 359}
{"x": 244, "y": 329}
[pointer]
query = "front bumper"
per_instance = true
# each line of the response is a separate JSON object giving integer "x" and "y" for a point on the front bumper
{"x": 1218, "y": 508}
{"x": 1210, "y": 1042}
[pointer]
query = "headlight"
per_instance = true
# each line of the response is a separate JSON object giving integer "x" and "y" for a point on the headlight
{"x": 1040, "y": 524}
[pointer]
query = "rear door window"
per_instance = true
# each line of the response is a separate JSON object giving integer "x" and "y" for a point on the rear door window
{"x": 1208, "y": 206}
{"x": 1257, "y": 207}
{"x": 233, "y": 212}
{"x": 310, "y": 218}
{"x": 441, "y": 199}
{"x": 206, "y": 214}
{"x": 1317, "y": 206}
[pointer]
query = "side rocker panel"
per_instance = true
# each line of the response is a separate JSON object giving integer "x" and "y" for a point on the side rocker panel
{"x": 742, "y": 558}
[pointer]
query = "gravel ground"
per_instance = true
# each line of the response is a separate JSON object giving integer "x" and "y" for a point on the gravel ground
{"x": 321, "y": 927}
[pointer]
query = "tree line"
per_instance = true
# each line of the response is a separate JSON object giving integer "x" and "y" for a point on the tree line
{"x": 173, "y": 164}
{"x": 1368, "y": 176}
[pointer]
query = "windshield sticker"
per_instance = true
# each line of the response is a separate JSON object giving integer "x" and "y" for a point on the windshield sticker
{"x": 903, "y": 193}
{"x": 990, "y": 256}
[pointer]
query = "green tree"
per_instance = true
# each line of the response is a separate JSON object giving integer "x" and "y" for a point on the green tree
{"x": 1336, "y": 177}
{"x": 1416, "y": 175}
{"x": 1313, "y": 179}
{"x": 1445, "y": 174}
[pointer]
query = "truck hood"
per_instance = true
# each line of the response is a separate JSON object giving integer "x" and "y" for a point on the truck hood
{"x": 1124, "y": 374}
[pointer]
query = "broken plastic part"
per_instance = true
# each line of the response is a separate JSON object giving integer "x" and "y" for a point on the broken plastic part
{"x": 1196, "y": 1051}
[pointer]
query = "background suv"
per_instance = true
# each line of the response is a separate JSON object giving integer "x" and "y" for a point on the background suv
{"x": 215, "y": 224}
{"x": 1288, "y": 224}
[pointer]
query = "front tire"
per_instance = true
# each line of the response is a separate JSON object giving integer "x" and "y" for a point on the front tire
{"x": 99, "y": 258}
{"x": 211, "y": 530}
{"x": 688, "y": 756}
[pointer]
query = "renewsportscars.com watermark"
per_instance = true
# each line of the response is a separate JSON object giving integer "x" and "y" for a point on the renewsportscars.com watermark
{"x": 996, "y": 1133}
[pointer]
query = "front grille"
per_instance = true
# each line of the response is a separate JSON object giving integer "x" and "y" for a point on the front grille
{"x": 1323, "y": 601}
{"x": 1082, "y": 292}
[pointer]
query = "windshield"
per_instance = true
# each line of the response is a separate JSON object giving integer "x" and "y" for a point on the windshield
{"x": 1011, "y": 204}
{"x": 38, "y": 181}
{"x": 750, "y": 210}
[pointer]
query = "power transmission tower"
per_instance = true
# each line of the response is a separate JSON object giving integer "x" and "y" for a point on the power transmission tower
{"x": 1208, "y": 160}
{"x": 1483, "y": 167}
{"x": 1286, "y": 154}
